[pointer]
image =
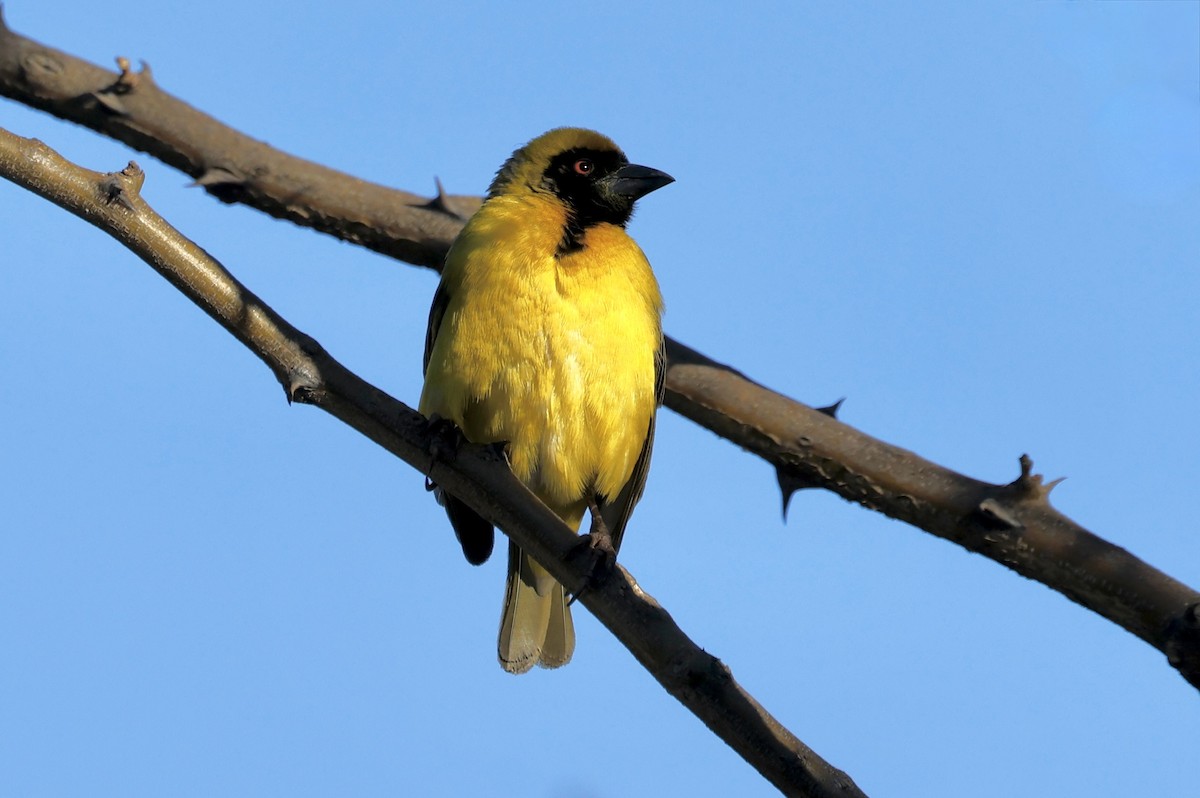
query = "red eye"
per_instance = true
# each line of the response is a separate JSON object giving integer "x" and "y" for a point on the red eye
{"x": 584, "y": 166}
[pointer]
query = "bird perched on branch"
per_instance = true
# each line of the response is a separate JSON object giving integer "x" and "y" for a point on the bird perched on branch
{"x": 545, "y": 334}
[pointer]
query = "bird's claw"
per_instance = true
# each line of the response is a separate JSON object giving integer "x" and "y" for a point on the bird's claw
{"x": 445, "y": 438}
{"x": 597, "y": 551}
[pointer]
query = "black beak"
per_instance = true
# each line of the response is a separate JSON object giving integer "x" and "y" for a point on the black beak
{"x": 635, "y": 181}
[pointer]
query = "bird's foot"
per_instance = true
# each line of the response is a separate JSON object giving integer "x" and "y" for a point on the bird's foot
{"x": 445, "y": 439}
{"x": 597, "y": 551}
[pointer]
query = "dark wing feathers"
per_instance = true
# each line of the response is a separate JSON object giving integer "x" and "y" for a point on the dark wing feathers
{"x": 475, "y": 534}
{"x": 441, "y": 299}
{"x": 616, "y": 512}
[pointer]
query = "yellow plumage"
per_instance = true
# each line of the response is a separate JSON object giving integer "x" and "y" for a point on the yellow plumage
{"x": 546, "y": 333}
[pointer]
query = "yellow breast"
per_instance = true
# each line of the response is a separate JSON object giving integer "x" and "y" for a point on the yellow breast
{"x": 553, "y": 354}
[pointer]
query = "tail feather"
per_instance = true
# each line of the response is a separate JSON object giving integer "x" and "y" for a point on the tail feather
{"x": 535, "y": 626}
{"x": 559, "y": 644}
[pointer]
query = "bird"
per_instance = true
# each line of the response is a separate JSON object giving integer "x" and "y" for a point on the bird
{"x": 545, "y": 338}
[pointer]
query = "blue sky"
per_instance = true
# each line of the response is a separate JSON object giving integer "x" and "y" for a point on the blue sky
{"x": 977, "y": 222}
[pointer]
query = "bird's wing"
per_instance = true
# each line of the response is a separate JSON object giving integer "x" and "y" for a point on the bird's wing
{"x": 441, "y": 299}
{"x": 475, "y": 534}
{"x": 616, "y": 512}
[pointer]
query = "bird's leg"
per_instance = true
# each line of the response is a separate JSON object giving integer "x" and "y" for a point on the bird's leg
{"x": 444, "y": 442}
{"x": 598, "y": 536}
{"x": 597, "y": 547}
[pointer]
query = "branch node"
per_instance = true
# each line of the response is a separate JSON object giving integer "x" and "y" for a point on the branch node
{"x": 636, "y": 588}
{"x": 300, "y": 390}
{"x": 303, "y": 381}
{"x": 1029, "y": 484}
{"x": 696, "y": 668}
{"x": 118, "y": 188}
{"x": 128, "y": 79}
{"x": 707, "y": 669}
{"x": 42, "y": 69}
{"x": 109, "y": 98}
{"x": 1026, "y": 465}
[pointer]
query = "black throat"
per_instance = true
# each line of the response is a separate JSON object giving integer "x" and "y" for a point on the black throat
{"x": 586, "y": 195}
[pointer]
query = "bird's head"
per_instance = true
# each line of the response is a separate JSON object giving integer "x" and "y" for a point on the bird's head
{"x": 584, "y": 170}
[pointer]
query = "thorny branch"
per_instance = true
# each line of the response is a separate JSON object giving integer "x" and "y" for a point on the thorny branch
{"x": 476, "y": 474}
{"x": 1012, "y": 524}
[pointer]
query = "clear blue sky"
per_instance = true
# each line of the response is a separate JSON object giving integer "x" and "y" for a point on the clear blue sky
{"x": 979, "y": 222}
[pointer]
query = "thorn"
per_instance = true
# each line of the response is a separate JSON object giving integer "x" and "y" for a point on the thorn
{"x": 302, "y": 385}
{"x": 226, "y": 184}
{"x": 441, "y": 201}
{"x": 456, "y": 206}
{"x": 110, "y": 102}
{"x": 302, "y": 392}
{"x": 789, "y": 483}
{"x": 1051, "y": 485}
{"x": 832, "y": 410}
{"x": 117, "y": 187}
{"x": 997, "y": 516}
{"x": 114, "y": 192}
{"x": 218, "y": 176}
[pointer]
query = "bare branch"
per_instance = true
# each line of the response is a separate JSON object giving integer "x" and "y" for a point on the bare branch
{"x": 1011, "y": 524}
{"x": 476, "y": 474}
{"x": 130, "y": 107}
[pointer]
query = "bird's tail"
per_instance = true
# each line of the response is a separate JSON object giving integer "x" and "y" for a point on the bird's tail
{"x": 536, "y": 626}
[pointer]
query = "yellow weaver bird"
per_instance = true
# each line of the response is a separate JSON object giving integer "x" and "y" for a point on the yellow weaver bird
{"x": 546, "y": 334}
